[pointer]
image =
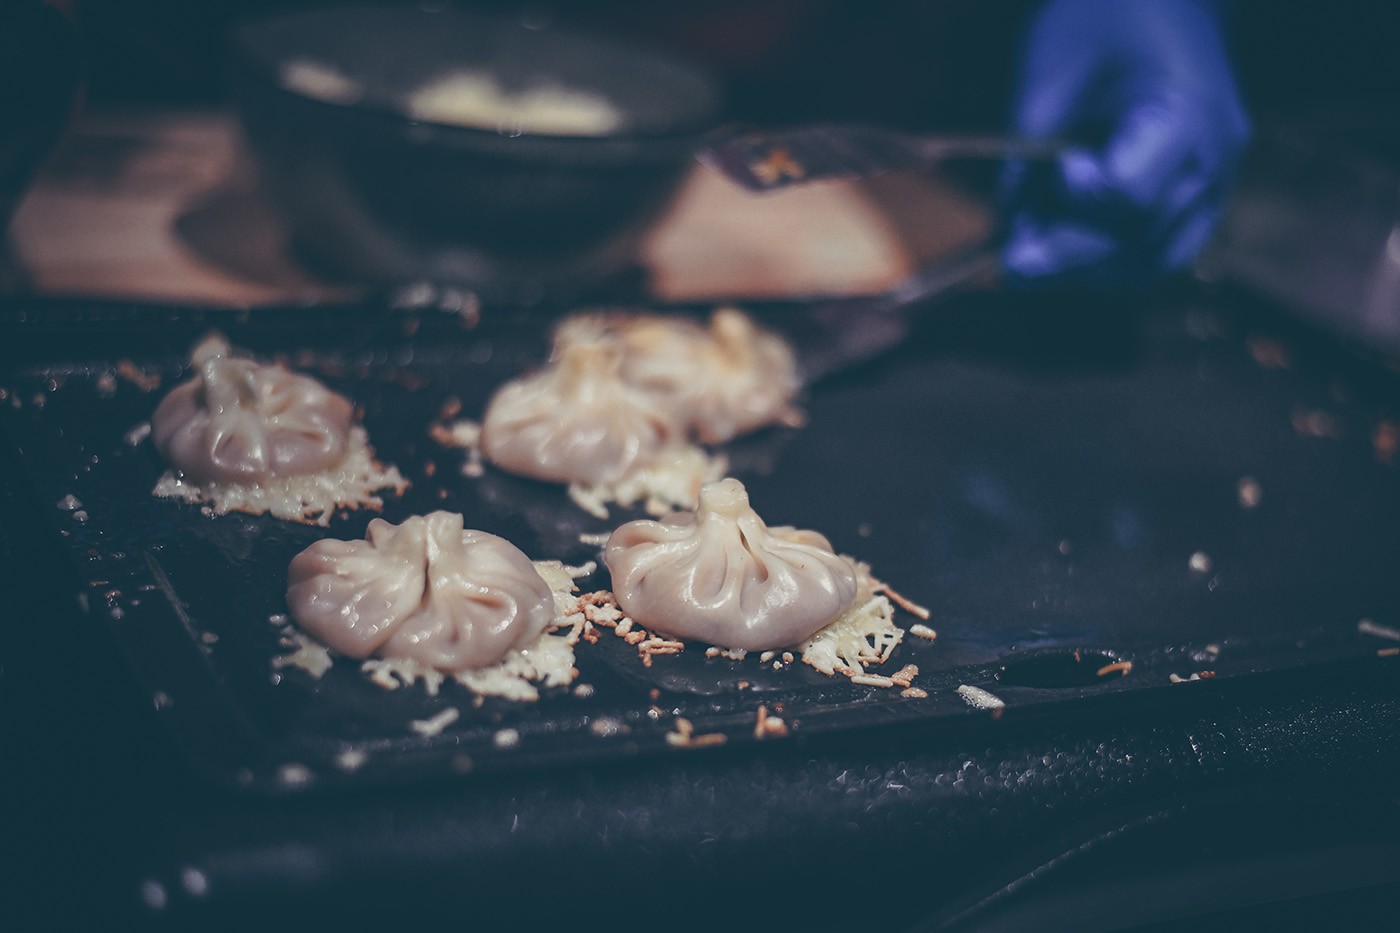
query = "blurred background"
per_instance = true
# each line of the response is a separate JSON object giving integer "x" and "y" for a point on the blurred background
{"x": 152, "y": 197}
{"x": 917, "y": 63}
{"x": 127, "y": 176}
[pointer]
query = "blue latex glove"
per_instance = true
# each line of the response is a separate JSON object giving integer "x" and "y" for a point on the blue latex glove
{"x": 1147, "y": 86}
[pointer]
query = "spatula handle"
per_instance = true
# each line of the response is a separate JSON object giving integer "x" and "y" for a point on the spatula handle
{"x": 937, "y": 148}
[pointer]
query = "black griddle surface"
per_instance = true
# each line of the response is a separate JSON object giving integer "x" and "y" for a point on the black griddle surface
{"x": 1040, "y": 485}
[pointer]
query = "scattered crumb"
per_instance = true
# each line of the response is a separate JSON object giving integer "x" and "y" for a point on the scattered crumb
{"x": 606, "y": 727}
{"x": 69, "y": 503}
{"x": 351, "y": 760}
{"x": 106, "y": 385}
{"x": 978, "y": 698}
{"x": 671, "y": 481}
{"x": 683, "y": 736}
{"x": 136, "y": 435}
{"x": 864, "y": 636}
{"x": 1387, "y": 652}
{"x": 153, "y": 895}
{"x": 766, "y": 726}
{"x": 908, "y": 606}
{"x": 1312, "y": 422}
{"x": 600, "y": 610}
{"x": 914, "y": 693}
{"x": 865, "y": 530}
{"x": 1123, "y": 668}
{"x": 310, "y": 655}
{"x": 594, "y": 539}
{"x": 465, "y": 434}
{"x": 506, "y": 738}
{"x": 904, "y": 677}
{"x": 654, "y": 645}
{"x": 1368, "y": 627}
{"x": 435, "y": 724}
{"x": 295, "y": 775}
{"x": 919, "y": 630}
{"x": 562, "y": 579}
{"x": 310, "y": 498}
{"x": 872, "y": 680}
{"x": 547, "y": 661}
{"x": 146, "y": 382}
{"x": 1385, "y": 440}
{"x": 1269, "y": 353}
{"x": 1065, "y": 547}
{"x": 1250, "y": 492}
{"x": 194, "y": 881}
{"x": 1200, "y": 562}
{"x": 583, "y": 691}
{"x": 393, "y": 673}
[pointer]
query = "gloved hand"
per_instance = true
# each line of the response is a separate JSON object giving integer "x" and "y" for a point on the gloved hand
{"x": 1146, "y": 86}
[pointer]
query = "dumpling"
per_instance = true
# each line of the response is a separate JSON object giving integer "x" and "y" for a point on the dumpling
{"x": 720, "y": 575}
{"x": 575, "y": 421}
{"x": 428, "y": 590}
{"x": 721, "y": 381}
{"x": 240, "y": 421}
{"x": 725, "y": 380}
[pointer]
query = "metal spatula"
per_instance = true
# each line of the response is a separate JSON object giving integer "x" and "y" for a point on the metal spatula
{"x": 766, "y": 161}
{"x": 842, "y": 333}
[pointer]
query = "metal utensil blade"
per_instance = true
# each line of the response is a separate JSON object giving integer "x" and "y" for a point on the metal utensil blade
{"x": 767, "y": 161}
{"x": 837, "y": 335}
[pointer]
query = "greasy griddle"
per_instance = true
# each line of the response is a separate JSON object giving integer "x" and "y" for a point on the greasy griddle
{"x": 1041, "y": 485}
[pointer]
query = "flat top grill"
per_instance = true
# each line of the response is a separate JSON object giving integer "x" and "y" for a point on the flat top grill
{"x": 1063, "y": 495}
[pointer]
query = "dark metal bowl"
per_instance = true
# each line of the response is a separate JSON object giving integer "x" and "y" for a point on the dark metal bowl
{"x": 39, "y": 78}
{"x": 375, "y": 195}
